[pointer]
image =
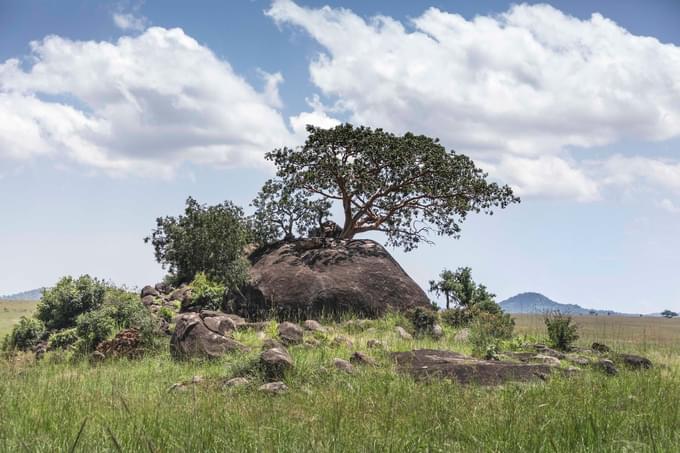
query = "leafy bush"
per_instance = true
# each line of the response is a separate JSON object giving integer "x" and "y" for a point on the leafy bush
{"x": 166, "y": 313}
{"x": 208, "y": 239}
{"x": 206, "y": 294}
{"x": 456, "y": 317}
{"x": 423, "y": 320}
{"x": 60, "y": 306}
{"x": 95, "y": 326}
{"x": 561, "y": 332}
{"x": 488, "y": 330}
{"x": 63, "y": 339}
{"x": 25, "y": 334}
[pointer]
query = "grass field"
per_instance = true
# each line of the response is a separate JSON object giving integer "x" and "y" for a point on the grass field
{"x": 126, "y": 406}
{"x": 11, "y": 311}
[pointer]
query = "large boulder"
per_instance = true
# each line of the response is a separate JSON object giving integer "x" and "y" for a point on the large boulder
{"x": 309, "y": 277}
{"x": 194, "y": 337}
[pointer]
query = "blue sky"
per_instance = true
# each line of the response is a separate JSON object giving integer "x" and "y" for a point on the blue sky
{"x": 111, "y": 114}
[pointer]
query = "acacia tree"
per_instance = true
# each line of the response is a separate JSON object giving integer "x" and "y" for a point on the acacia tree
{"x": 460, "y": 288}
{"x": 669, "y": 314}
{"x": 404, "y": 186}
{"x": 280, "y": 212}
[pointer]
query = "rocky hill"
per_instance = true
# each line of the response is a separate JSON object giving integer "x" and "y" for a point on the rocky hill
{"x": 536, "y": 303}
{"x": 33, "y": 294}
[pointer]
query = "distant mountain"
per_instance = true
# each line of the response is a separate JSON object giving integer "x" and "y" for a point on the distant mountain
{"x": 33, "y": 294}
{"x": 536, "y": 303}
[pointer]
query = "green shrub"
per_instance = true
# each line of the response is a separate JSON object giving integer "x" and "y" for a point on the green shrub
{"x": 95, "y": 326}
{"x": 561, "y": 332}
{"x": 166, "y": 313}
{"x": 488, "y": 330}
{"x": 206, "y": 294}
{"x": 25, "y": 334}
{"x": 69, "y": 298}
{"x": 423, "y": 320}
{"x": 63, "y": 339}
{"x": 456, "y": 317}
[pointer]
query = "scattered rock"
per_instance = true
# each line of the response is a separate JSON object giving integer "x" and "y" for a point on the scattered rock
{"x": 219, "y": 323}
{"x": 149, "y": 291}
{"x": 192, "y": 338}
{"x": 403, "y": 334}
{"x": 126, "y": 343}
{"x": 148, "y": 301}
{"x": 635, "y": 362}
{"x": 40, "y": 349}
{"x": 431, "y": 363}
{"x": 275, "y": 362}
{"x": 545, "y": 350}
{"x": 97, "y": 356}
{"x": 290, "y": 333}
{"x": 341, "y": 340}
{"x": 236, "y": 382}
{"x": 437, "y": 332}
{"x": 360, "y": 358}
{"x": 274, "y": 388}
{"x": 343, "y": 365}
{"x": 163, "y": 288}
{"x": 579, "y": 360}
{"x": 256, "y": 326}
{"x": 197, "y": 379}
{"x": 308, "y": 277}
{"x": 547, "y": 359}
{"x": 375, "y": 344}
{"x": 600, "y": 348}
{"x": 312, "y": 342}
{"x": 607, "y": 366}
{"x": 462, "y": 335}
{"x": 270, "y": 343}
{"x": 313, "y": 326}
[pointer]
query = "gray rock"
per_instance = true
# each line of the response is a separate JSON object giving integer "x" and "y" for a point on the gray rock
{"x": 290, "y": 333}
{"x": 607, "y": 366}
{"x": 149, "y": 291}
{"x": 342, "y": 341}
{"x": 547, "y": 359}
{"x": 579, "y": 360}
{"x": 275, "y": 362}
{"x": 600, "y": 347}
{"x": 192, "y": 338}
{"x": 403, "y": 334}
{"x": 274, "y": 388}
{"x": 635, "y": 362}
{"x": 437, "y": 331}
{"x": 270, "y": 343}
{"x": 308, "y": 277}
{"x": 360, "y": 358}
{"x": 313, "y": 326}
{"x": 343, "y": 365}
{"x": 219, "y": 324}
{"x": 372, "y": 343}
{"x": 163, "y": 288}
{"x": 236, "y": 382}
{"x": 148, "y": 301}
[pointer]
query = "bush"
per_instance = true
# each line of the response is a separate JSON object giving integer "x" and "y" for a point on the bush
{"x": 208, "y": 239}
{"x": 25, "y": 334}
{"x": 561, "y": 332}
{"x": 95, "y": 326}
{"x": 63, "y": 339}
{"x": 60, "y": 306}
{"x": 166, "y": 313}
{"x": 488, "y": 330}
{"x": 456, "y": 317}
{"x": 206, "y": 294}
{"x": 423, "y": 320}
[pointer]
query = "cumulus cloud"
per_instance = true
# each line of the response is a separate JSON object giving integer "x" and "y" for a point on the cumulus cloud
{"x": 142, "y": 104}
{"x": 130, "y": 22}
{"x": 526, "y": 92}
{"x": 668, "y": 206}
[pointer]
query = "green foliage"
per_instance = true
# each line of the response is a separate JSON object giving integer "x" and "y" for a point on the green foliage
{"x": 209, "y": 239}
{"x": 25, "y": 334}
{"x": 166, "y": 313}
{"x": 281, "y": 211}
{"x": 95, "y": 326}
{"x": 561, "y": 331}
{"x": 405, "y": 186}
{"x": 487, "y": 332}
{"x": 206, "y": 294}
{"x": 669, "y": 314}
{"x": 423, "y": 320}
{"x": 456, "y": 317}
{"x": 63, "y": 338}
{"x": 459, "y": 287}
{"x": 61, "y": 305}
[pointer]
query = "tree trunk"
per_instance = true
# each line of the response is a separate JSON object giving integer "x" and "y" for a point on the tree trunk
{"x": 448, "y": 306}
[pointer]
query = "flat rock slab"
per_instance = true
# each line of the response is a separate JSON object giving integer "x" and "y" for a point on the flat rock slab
{"x": 432, "y": 363}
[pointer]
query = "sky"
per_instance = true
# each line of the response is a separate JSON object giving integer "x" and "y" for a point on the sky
{"x": 112, "y": 113}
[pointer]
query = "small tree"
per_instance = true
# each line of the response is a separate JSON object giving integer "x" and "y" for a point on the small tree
{"x": 25, "y": 334}
{"x": 404, "y": 186}
{"x": 280, "y": 212}
{"x": 208, "y": 239}
{"x": 60, "y": 305}
{"x": 669, "y": 314}
{"x": 561, "y": 331}
{"x": 460, "y": 288}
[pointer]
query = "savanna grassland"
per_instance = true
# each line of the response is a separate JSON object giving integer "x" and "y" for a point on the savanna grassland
{"x": 11, "y": 311}
{"x": 64, "y": 404}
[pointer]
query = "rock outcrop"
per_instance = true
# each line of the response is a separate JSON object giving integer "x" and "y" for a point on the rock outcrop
{"x": 308, "y": 277}
{"x": 194, "y": 336}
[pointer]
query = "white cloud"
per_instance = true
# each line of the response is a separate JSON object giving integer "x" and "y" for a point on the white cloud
{"x": 627, "y": 171}
{"x": 143, "y": 104}
{"x": 130, "y": 22}
{"x": 527, "y": 91}
{"x": 668, "y": 206}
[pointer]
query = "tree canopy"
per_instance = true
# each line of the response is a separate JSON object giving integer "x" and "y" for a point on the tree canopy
{"x": 404, "y": 186}
{"x": 459, "y": 287}
{"x": 669, "y": 314}
{"x": 209, "y": 239}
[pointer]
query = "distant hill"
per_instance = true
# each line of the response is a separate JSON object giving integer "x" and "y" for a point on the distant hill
{"x": 536, "y": 303}
{"x": 33, "y": 294}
